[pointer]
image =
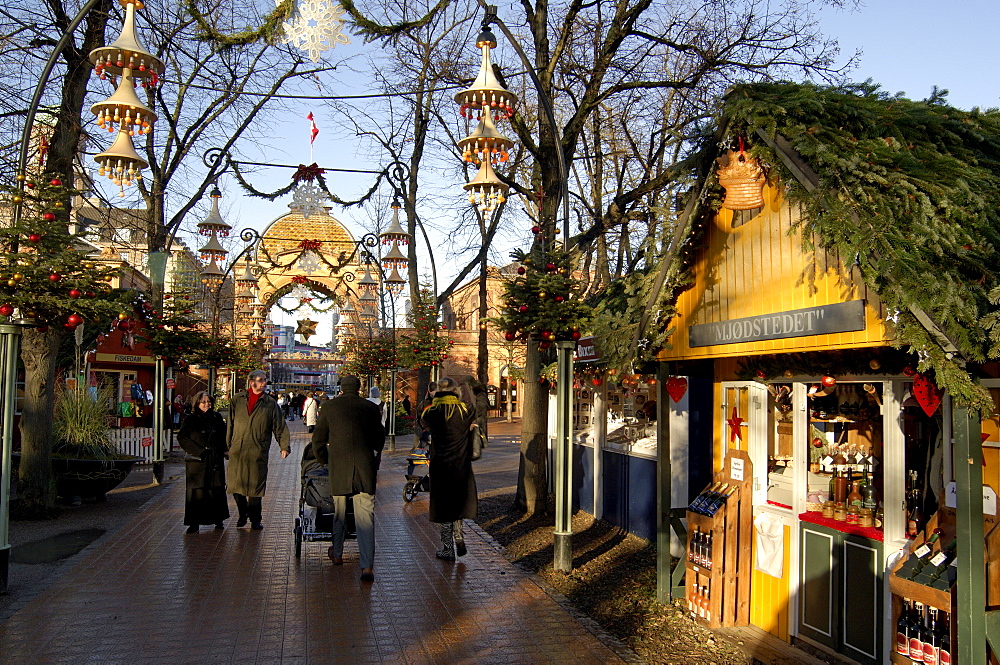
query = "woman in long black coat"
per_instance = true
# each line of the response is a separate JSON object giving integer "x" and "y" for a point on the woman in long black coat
{"x": 203, "y": 437}
{"x": 453, "y": 486}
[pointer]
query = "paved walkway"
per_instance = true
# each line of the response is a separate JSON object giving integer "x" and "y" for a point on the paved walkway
{"x": 151, "y": 594}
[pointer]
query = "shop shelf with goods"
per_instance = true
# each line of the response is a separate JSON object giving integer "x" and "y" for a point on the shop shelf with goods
{"x": 720, "y": 522}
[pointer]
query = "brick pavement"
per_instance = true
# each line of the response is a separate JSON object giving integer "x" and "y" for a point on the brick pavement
{"x": 151, "y": 594}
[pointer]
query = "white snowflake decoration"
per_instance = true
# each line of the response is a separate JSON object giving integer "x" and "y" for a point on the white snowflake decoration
{"x": 308, "y": 198}
{"x": 299, "y": 292}
{"x": 315, "y": 26}
{"x": 309, "y": 262}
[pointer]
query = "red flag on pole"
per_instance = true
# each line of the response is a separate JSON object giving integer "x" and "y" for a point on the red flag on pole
{"x": 314, "y": 131}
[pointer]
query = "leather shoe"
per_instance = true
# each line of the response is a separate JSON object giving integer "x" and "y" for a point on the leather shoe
{"x": 460, "y": 549}
{"x": 367, "y": 576}
{"x": 257, "y": 526}
{"x": 192, "y": 529}
{"x": 337, "y": 561}
{"x": 241, "y": 522}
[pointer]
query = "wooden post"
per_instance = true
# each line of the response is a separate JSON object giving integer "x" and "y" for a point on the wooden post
{"x": 970, "y": 613}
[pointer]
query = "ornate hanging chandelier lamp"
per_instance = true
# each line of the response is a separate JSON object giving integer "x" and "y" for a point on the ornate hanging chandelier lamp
{"x": 123, "y": 111}
{"x": 486, "y": 146}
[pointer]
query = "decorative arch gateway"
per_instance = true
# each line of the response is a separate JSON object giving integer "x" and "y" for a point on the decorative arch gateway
{"x": 316, "y": 251}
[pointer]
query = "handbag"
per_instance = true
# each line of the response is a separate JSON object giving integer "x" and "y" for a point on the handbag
{"x": 477, "y": 442}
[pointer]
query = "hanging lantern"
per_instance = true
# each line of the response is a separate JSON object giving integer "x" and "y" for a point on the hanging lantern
{"x": 124, "y": 110}
{"x": 367, "y": 284}
{"x": 214, "y": 223}
{"x": 127, "y": 52}
{"x": 486, "y": 142}
{"x": 486, "y": 91}
{"x": 213, "y": 250}
{"x": 485, "y": 190}
{"x": 743, "y": 179}
{"x": 395, "y": 233}
{"x": 121, "y": 163}
{"x": 394, "y": 283}
{"x": 394, "y": 259}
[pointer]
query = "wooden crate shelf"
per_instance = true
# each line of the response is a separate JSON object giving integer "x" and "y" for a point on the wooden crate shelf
{"x": 728, "y": 580}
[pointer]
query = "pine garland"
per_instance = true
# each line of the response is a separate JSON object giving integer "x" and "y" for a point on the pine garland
{"x": 911, "y": 191}
{"x": 266, "y": 31}
{"x": 320, "y": 180}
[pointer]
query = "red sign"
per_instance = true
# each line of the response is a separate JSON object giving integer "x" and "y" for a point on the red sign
{"x": 147, "y": 441}
{"x": 171, "y": 384}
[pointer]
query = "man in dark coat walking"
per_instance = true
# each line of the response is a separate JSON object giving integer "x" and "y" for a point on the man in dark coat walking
{"x": 254, "y": 418}
{"x": 349, "y": 438}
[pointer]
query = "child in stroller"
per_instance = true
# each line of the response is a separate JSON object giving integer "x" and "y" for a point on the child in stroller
{"x": 315, "y": 520}
{"x": 418, "y": 477}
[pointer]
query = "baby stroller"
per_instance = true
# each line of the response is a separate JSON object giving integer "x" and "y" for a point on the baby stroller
{"x": 418, "y": 477}
{"x": 315, "y": 520}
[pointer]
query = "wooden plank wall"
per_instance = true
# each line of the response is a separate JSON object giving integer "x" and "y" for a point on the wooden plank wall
{"x": 761, "y": 267}
{"x": 769, "y": 597}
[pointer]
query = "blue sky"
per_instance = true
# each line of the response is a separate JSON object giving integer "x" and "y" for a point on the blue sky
{"x": 912, "y": 46}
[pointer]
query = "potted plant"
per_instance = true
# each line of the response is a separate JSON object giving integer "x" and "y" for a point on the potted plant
{"x": 85, "y": 461}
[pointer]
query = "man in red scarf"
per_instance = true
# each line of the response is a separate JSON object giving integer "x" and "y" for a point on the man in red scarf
{"x": 255, "y": 419}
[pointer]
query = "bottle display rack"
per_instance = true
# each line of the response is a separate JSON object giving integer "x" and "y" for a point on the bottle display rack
{"x": 720, "y": 537}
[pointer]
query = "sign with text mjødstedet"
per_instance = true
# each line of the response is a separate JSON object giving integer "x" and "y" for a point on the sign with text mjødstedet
{"x": 821, "y": 320}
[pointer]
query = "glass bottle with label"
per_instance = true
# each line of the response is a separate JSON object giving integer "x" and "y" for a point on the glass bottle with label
{"x": 855, "y": 498}
{"x": 903, "y": 630}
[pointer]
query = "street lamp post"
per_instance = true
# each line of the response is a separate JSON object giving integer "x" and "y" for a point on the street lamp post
{"x": 485, "y": 146}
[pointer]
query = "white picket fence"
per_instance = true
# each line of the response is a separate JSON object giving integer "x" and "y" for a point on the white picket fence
{"x": 138, "y": 441}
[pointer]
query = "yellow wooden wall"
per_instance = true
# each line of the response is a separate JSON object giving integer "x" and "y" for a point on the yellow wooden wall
{"x": 769, "y": 597}
{"x": 991, "y": 455}
{"x": 761, "y": 267}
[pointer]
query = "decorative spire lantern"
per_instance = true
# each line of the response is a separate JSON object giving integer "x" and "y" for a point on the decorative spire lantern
{"x": 123, "y": 111}
{"x": 743, "y": 179}
{"x": 214, "y": 223}
{"x": 395, "y": 234}
{"x": 486, "y": 146}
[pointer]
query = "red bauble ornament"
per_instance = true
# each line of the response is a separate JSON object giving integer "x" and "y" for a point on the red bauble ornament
{"x": 55, "y": 182}
{"x": 34, "y": 237}
{"x": 74, "y": 320}
{"x": 434, "y": 362}
{"x": 818, "y": 442}
{"x": 49, "y": 217}
{"x": 559, "y": 299}
{"x": 29, "y": 185}
{"x": 761, "y": 374}
{"x": 550, "y": 266}
{"x": 6, "y": 310}
{"x": 444, "y": 356}
{"x": 124, "y": 325}
{"x": 522, "y": 309}
{"x": 89, "y": 294}
{"x": 909, "y": 371}
{"x": 75, "y": 293}
{"x": 544, "y": 345}
{"x": 509, "y": 336}
{"x": 596, "y": 381}
{"x": 575, "y": 335}
{"x": 521, "y": 270}
{"x": 536, "y": 229}
{"x": 828, "y": 381}
{"x": 55, "y": 277}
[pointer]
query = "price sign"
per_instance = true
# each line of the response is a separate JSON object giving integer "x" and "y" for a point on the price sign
{"x": 989, "y": 498}
{"x": 736, "y": 469}
{"x": 171, "y": 384}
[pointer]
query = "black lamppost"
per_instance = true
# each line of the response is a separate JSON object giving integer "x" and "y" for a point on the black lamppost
{"x": 484, "y": 147}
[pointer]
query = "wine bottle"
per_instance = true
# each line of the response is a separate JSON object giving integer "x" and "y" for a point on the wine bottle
{"x": 944, "y": 639}
{"x": 708, "y": 605}
{"x": 720, "y": 501}
{"x": 693, "y": 544}
{"x": 918, "y": 558}
{"x": 708, "y": 550}
{"x": 936, "y": 566}
{"x": 903, "y": 630}
{"x": 703, "y": 498}
{"x": 915, "y": 633}
{"x": 932, "y": 644}
{"x": 854, "y": 498}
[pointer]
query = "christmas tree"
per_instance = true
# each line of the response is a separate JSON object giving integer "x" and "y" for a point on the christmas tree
{"x": 425, "y": 346}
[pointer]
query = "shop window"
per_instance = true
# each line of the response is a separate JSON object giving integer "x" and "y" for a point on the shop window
{"x": 844, "y": 448}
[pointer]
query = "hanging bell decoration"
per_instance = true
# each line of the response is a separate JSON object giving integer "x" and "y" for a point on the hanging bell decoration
{"x": 486, "y": 191}
{"x": 123, "y": 111}
{"x": 486, "y": 91}
{"x": 213, "y": 250}
{"x": 213, "y": 222}
{"x": 743, "y": 179}
{"x": 486, "y": 142}
{"x": 394, "y": 259}
{"x": 121, "y": 163}
{"x": 395, "y": 234}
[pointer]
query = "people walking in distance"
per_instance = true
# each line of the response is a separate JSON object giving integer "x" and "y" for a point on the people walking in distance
{"x": 407, "y": 405}
{"x": 349, "y": 438}
{"x": 282, "y": 401}
{"x": 450, "y": 417}
{"x": 203, "y": 437}
{"x": 254, "y": 419}
{"x": 422, "y": 404}
{"x": 295, "y": 408}
{"x": 310, "y": 410}
{"x": 375, "y": 397}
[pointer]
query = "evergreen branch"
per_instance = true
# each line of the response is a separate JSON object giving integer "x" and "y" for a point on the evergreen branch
{"x": 372, "y": 30}
{"x": 266, "y": 31}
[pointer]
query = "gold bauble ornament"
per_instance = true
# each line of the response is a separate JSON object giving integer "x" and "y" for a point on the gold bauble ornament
{"x": 16, "y": 199}
{"x": 122, "y": 316}
{"x": 11, "y": 282}
{"x": 18, "y": 277}
{"x": 57, "y": 204}
{"x": 541, "y": 294}
{"x": 874, "y": 364}
{"x": 21, "y": 178}
{"x": 788, "y": 373}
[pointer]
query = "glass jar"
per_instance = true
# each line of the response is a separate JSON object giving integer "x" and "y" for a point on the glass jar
{"x": 840, "y": 511}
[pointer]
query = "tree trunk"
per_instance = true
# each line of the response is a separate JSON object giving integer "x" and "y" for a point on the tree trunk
{"x": 36, "y": 486}
{"x": 532, "y": 481}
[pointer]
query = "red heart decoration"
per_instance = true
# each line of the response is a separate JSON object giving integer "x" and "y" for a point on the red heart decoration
{"x": 676, "y": 387}
{"x": 926, "y": 393}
